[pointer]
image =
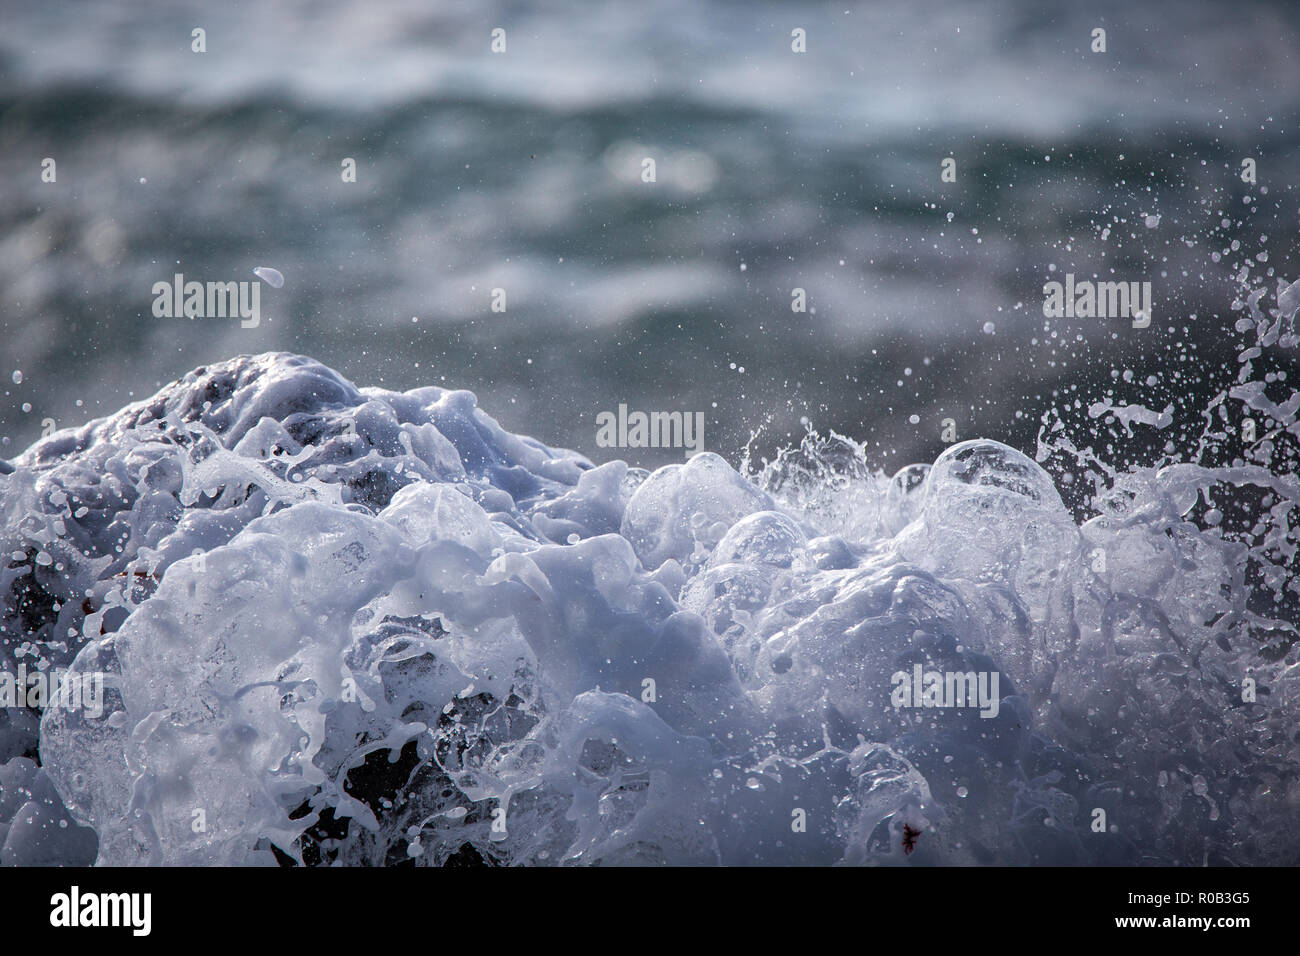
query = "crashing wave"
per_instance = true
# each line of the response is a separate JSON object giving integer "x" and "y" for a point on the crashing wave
{"x": 348, "y": 625}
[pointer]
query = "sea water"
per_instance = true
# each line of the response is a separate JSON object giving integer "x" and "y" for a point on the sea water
{"x": 340, "y": 624}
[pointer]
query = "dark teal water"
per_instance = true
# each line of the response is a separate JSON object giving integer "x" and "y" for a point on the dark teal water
{"x": 521, "y": 171}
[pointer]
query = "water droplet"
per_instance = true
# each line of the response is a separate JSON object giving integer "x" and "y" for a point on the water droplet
{"x": 18, "y": 376}
{"x": 271, "y": 277}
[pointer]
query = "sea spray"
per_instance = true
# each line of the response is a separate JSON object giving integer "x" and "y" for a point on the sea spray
{"x": 358, "y": 626}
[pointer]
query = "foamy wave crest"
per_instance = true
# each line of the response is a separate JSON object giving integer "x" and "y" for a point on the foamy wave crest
{"x": 347, "y": 625}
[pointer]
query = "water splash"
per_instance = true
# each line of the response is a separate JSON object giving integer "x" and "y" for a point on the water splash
{"x": 357, "y": 626}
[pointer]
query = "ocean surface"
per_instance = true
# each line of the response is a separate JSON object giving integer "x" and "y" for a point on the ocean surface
{"x": 521, "y": 171}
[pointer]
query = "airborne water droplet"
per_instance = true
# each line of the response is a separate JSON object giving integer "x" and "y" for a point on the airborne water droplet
{"x": 271, "y": 277}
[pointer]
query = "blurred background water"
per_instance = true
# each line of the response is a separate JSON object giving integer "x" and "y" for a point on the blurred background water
{"x": 522, "y": 171}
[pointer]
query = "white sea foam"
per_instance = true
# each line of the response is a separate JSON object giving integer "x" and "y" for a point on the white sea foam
{"x": 364, "y": 626}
